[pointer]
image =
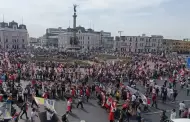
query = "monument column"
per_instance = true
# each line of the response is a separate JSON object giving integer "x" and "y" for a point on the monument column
{"x": 74, "y": 25}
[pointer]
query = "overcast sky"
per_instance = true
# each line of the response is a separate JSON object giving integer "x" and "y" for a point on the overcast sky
{"x": 169, "y": 18}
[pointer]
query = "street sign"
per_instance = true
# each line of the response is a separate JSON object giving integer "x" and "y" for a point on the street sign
{"x": 188, "y": 62}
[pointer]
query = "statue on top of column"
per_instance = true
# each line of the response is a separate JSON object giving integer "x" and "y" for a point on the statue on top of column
{"x": 75, "y": 6}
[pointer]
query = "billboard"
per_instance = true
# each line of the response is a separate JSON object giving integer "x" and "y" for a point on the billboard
{"x": 188, "y": 62}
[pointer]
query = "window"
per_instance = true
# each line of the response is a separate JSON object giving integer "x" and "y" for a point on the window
{"x": 14, "y": 27}
{"x": 130, "y": 40}
{"x": 23, "y": 46}
{"x": 88, "y": 38}
{"x": 141, "y": 44}
{"x": 7, "y": 46}
{"x": 6, "y": 40}
{"x": 22, "y": 40}
{"x": 0, "y": 39}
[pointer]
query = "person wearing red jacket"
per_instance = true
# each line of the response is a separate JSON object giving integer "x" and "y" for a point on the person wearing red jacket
{"x": 108, "y": 102}
{"x": 45, "y": 95}
{"x": 69, "y": 105}
{"x": 87, "y": 94}
{"x": 112, "y": 111}
{"x": 81, "y": 92}
{"x": 154, "y": 100}
{"x": 73, "y": 92}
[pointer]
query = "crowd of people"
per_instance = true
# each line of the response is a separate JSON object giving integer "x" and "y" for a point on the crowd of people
{"x": 114, "y": 84}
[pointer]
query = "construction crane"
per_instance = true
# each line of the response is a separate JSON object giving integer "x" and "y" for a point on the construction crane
{"x": 120, "y": 32}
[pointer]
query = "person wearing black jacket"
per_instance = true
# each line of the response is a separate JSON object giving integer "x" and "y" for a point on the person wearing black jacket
{"x": 24, "y": 109}
{"x": 64, "y": 117}
{"x": 80, "y": 101}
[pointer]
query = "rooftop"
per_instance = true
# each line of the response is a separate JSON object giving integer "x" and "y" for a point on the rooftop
{"x": 12, "y": 25}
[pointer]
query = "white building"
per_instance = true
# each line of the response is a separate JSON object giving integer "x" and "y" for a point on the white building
{"x": 107, "y": 41}
{"x": 13, "y": 36}
{"x": 50, "y": 39}
{"x": 139, "y": 44}
{"x": 88, "y": 39}
{"x": 34, "y": 42}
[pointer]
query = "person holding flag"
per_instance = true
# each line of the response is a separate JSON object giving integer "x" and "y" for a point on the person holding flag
{"x": 112, "y": 111}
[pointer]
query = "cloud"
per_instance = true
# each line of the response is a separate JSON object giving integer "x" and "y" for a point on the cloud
{"x": 108, "y": 15}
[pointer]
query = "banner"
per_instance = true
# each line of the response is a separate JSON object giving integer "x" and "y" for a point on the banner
{"x": 46, "y": 102}
{"x": 50, "y": 104}
{"x": 5, "y": 110}
{"x": 188, "y": 62}
{"x": 39, "y": 100}
{"x": 134, "y": 91}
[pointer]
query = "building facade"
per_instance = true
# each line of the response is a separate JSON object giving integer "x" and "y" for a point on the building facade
{"x": 106, "y": 41}
{"x": 88, "y": 39}
{"x": 50, "y": 39}
{"x": 139, "y": 44}
{"x": 34, "y": 41}
{"x": 13, "y": 36}
{"x": 180, "y": 46}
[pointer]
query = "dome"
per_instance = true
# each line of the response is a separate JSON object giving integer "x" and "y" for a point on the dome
{"x": 22, "y": 26}
{"x": 82, "y": 29}
{"x": 13, "y": 24}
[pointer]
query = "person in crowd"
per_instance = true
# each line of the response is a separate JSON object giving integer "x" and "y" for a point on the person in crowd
{"x": 69, "y": 105}
{"x": 182, "y": 107}
{"x": 173, "y": 114}
{"x": 64, "y": 118}
{"x": 33, "y": 101}
{"x": 80, "y": 102}
{"x": 24, "y": 109}
{"x": 33, "y": 115}
{"x": 25, "y": 94}
{"x": 163, "y": 116}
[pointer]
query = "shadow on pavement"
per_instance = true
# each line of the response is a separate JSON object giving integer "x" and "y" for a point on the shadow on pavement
{"x": 91, "y": 104}
{"x": 42, "y": 117}
{"x": 74, "y": 115}
{"x": 85, "y": 110}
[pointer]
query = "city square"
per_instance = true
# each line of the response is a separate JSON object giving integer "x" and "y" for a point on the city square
{"x": 81, "y": 74}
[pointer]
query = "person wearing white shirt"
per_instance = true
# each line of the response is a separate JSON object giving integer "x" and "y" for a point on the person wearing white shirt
{"x": 33, "y": 115}
{"x": 181, "y": 107}
{"x": 173, "y": 114}
{"x": 133, "y": 98}
{"x": 49, "y": 116}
